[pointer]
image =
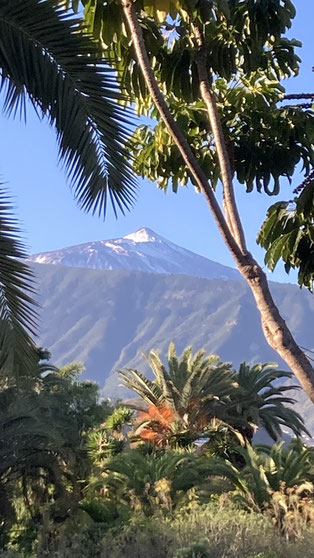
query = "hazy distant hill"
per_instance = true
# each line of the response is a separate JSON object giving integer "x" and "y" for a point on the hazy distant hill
{"x": 142, "y": 250}
{"x": 105, "y": 318}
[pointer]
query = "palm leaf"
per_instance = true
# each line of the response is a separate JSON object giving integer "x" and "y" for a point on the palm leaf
{"x": 17, "y": 312}
{"x": 162, "y": 378}
{"x": 145, "y": 388}
{"x": 45, "y": 58}
{"x": 264, "y": 404}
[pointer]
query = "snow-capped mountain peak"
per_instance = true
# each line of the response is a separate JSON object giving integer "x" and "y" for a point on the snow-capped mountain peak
{"x": 142, "y": 250}
{"x": 143, "y": 235}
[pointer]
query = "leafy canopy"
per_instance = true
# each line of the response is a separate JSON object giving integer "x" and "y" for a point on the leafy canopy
{"x": 44, "y": 461}
{"x": 288, "y": 233}
{"x": 247, "y": 55}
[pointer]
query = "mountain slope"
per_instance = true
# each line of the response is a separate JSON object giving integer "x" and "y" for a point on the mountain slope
{"x": 105, "y": 318}
{"x": 142, "y": 250}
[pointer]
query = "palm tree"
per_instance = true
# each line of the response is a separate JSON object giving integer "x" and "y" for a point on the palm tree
{"x": 198, "y": 395}
{"x": 260, "y": 403}
{"x": 44, "y": 58}
{"x": 147, "y": 480}
{"x": 192, "y": 391}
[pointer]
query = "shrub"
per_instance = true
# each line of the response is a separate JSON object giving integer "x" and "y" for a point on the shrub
{"x": 198, "y": 549}
{"x": 222, "y": 532}
{"x": 209, "y": 531}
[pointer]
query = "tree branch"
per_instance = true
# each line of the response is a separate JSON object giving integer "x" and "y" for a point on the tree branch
{"x": 230, "y": 204}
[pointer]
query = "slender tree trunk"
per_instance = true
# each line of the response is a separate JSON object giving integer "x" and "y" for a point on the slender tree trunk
{"x": 230, "y": 206}
{"x": 274, "y": 327}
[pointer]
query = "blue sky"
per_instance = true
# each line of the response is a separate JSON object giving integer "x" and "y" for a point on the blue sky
{"x": 50, "y": 219}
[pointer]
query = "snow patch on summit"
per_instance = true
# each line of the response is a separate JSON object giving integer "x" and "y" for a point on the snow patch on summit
{"x": 142, "y": 235}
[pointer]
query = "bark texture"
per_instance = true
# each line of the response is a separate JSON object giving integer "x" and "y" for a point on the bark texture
{"x": 274, "y": 327}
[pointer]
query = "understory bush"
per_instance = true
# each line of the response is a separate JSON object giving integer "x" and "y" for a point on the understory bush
{"x": 198, "y": 549}
{"x": 209, "y": 531}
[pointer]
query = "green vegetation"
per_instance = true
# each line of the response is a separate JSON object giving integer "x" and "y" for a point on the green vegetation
{"x": 209, "y": 75}
{"x": 197, "y": 390}
{"x": 173, "y": 474}
{"x": 287, "y": 233}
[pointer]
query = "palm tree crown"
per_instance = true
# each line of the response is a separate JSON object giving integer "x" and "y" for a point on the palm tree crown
{"x": 261, "y": 403}
{"x": 199, "y": 393}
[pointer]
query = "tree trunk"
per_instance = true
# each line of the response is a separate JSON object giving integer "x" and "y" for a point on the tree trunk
{"x": 274, "y": 327}
{"x": 230, "y": 206}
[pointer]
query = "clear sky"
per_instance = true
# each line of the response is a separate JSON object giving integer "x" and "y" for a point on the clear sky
{"x": 51, "y": 220}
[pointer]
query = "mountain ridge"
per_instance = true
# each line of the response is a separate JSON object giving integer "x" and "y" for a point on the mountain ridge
{"x": 142, "y": 250}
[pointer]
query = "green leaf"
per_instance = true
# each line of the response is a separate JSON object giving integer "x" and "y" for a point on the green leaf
{"x": 18, "y": 317}
{"x": 264, "y": 233}
{"x": 275, "y": 251}
{"x": 75, "y": 5}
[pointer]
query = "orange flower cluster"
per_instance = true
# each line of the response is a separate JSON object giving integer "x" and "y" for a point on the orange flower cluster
{"x": 159, "y": 421}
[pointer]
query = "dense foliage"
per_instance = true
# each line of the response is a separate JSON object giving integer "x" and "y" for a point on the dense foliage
{"x": 78, "y": 473}
{"x": 198, "y": 395}
{"x": 288, "y": 233}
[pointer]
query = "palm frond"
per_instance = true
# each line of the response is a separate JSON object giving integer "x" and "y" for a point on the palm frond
{"x": 162, "y": 378}
{"x": 17, "y": 308}
{"x": 45, "y": 57}
{"x": 145, "y": 388}
{"x": 264, "y": 404}
{"x": 260, "y": 376}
